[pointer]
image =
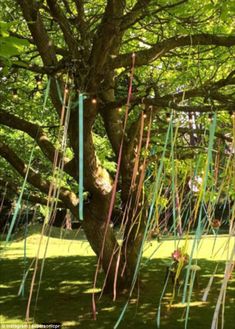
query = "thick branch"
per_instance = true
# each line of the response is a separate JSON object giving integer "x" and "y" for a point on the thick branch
{"x": 106, "y": 35}
{"x": 61, "y": 19}
{"x": 189, "y": 108}
{"x": 82, "y": 24}
{"x": 35, "y": 179}
{"x": 146, "y": 56}
{"x": 37, "y": 133}
{"x": 32, "y": 197}
{"x": 60, "y": 51}
{"x": 41, "y": 39}
{"x": 50, "y": 70}
{"x": 114, "y": 127}
{"x": 207, "y": 90}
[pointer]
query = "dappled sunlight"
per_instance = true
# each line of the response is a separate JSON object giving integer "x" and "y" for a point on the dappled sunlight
{"x": 183, "y": 305}
{"x": 67, "y": 286}
{"x": 79, "y": 282}
{"x": 92, "y": 291}
{"x": 209, "y": 247}
{"x": 2, "y": 286}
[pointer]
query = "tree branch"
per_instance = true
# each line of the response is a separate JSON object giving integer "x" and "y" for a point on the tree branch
{"x": 37, "y": 133}
{"x": 146, "y": 56}
{"x": 137, "y": 11}
{"x": 207, "y": 90}
{"x": 106, "y": 36}
{"x": 82, "y": 24}
{"x": 113, "y": 126}
{"x": 41, "y": 39}
{"x": 35, "y": 179}
{"x": 188, "y": 108}
{"x": 50, "y": 70}
{"x": 61, "y": 19}
{"x": 60, "y": 51}
{"x": 32, "y": 197}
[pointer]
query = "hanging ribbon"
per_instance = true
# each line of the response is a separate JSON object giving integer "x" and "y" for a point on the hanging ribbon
{"x": 81, "y": 152}
{"x": 18, "y": 204}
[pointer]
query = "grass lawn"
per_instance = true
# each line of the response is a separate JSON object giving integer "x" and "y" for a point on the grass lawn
{"x": 66, "y": 287}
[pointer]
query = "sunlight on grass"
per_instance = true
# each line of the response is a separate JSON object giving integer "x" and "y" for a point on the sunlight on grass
{"x": 67, "y": 324}
{"x": 209, "y": 248}
{"x": 109, "y": 309}
{"x": 16, "y": 321}
{"x": 74, "y": 282}
{"x": 92, "y": 290}
{"x": 67, "y": 285}
{"x": 181, "y": 305}
{"x": 4, "y": 286}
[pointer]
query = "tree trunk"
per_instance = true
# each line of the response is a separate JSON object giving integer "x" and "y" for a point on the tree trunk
{"x": 103, "y": 242}
{"x": 133, "y": 238}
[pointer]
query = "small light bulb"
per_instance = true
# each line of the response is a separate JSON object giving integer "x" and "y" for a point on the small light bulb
{"x": 168, "y": 117}
{"x": 94, "y": 101}
{"x": 15, "y": 95}
{"x": 145, "y": 116}
{"x": 119, "y": 109}
{"x": 210, "y": 117}
{"x": 38, "y": 80}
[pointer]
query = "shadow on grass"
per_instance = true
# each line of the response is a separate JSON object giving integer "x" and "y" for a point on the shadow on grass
{"x": 66, "y": 288}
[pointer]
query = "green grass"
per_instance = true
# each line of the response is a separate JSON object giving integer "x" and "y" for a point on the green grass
{"x": 66, "y": 287}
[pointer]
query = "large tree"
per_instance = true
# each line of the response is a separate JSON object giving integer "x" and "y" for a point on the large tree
{"x": 181, "y": 54}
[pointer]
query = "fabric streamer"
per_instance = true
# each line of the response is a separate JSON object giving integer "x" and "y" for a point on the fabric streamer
{"x": 54, "y": 191}
{"x": 115, "y": 181}
{"x": 151, "y": 212}
{"x": 81, "y": 155}
{"x": 52, "y": 199}
{"x": 18, "y": 204}
{"x": 200, "y": 201}
{"x": 25, "y": 246}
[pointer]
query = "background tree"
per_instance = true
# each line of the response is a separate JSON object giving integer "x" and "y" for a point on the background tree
{"x": 183, "y": 61}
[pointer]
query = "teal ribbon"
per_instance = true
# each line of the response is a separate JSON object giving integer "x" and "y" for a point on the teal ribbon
{"x": 81, "y": 153}
{"x": 199, "y": 227}
{"x": 25, "y": 245}
{"x": 18, "y": 204}
{"x": 150, "y": 215}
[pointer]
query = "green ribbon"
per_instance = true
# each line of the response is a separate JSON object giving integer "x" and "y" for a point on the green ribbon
{"x": 150, "y": 215}
{"x": 199, "y": 227}
{"x": 18, "y": 204}
{"x": 80, "y": 155}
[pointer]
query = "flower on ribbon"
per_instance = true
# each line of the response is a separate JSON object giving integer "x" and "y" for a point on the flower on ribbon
{"x": 178, "y": 255}
{"x": 215, "y": 223}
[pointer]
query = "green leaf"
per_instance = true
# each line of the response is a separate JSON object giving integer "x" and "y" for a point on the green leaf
{"x": 4, "y": 27}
